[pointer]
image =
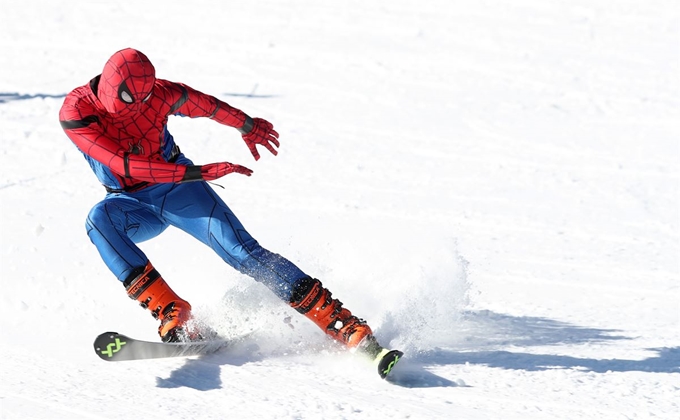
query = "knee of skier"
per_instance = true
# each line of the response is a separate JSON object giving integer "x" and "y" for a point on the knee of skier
{"x": 95, "y": 217}
{"x": 105, "y": 218}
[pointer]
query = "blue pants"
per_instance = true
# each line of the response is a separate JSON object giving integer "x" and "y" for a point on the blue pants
{"x": 118, "y": 222}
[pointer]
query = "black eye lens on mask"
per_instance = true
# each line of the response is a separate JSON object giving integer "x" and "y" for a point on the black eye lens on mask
{"x": 124, "y": 94}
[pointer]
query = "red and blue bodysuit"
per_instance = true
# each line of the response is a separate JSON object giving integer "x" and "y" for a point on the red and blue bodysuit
{"x": 119, "y": 122}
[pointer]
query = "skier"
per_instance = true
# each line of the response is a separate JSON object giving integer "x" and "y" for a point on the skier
{"x": 118, "y": 120}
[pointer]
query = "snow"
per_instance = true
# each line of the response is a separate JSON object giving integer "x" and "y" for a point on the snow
{"x": 493, "y": 185}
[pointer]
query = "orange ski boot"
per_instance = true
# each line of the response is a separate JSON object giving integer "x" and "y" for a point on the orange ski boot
{"x": 314, "y": 301}
{"x": 152, "y": 292}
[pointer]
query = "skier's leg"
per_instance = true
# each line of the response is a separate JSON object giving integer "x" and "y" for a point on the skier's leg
{"x": 196, "y": 209}
{"x": 202, "y": 213}
{"x": 114, "y": 226}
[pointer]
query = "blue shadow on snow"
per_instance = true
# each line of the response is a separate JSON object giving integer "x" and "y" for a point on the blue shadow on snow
{"x": 204, "y": 372}
{"x": 15, "y": 96}
{"x": 484, "y": 338}
{"x": 488, "y": 335}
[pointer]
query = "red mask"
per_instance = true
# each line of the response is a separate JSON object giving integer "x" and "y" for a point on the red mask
{"x": 126, "y": 82}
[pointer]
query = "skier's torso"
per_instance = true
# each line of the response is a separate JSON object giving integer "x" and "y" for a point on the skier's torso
{"x": 119, "y": 121}
{"x": 142, "y": 133}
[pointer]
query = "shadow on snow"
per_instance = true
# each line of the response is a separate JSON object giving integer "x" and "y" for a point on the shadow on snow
{"x": 484, "y": 337}
{"x": 487, "y": 335}
{"x": 667, "y": 360}
{"x": 6, "y": 97}
{"x": 204, "y": 373}
{"x": 15, "y": 96}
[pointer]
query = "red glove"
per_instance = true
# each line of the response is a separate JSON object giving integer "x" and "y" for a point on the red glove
{"x": 213, "y": 171}
{"x": 258, "y": 131}
{"x": 218, "y": 170}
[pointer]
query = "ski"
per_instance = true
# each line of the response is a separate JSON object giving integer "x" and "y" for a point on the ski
{"x": 386, "y": 360}
{"x": 114, "y": 347}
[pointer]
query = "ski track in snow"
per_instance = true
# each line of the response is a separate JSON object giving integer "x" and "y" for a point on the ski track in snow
{"x": 493, "y": 185}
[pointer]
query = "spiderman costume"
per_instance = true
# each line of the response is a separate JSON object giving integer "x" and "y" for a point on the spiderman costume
{"x": 119, "y": 122}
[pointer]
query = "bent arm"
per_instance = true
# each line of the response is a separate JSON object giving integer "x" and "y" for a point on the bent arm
{"x": 87, "y": 135}
{"x": 199, "y": 104}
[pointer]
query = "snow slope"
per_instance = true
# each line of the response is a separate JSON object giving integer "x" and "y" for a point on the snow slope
{"x": 493, "y": 185}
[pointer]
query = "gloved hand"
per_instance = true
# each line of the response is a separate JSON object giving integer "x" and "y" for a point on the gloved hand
{"x": 213, "y": 171}
{"x": 218, "y": 170}
{"x": 258, "y": 131}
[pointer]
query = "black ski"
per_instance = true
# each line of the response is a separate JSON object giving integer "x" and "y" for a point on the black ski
{"x": 114, "y": 347}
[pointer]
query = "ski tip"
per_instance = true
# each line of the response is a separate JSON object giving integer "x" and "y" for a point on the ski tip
{"x": 109, "y": 343}
{"x": 387, "y": 359}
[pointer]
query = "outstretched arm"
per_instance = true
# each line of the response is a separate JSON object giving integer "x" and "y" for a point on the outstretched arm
{"x": 87, "y": 135}
{"x": 255, "y": 131}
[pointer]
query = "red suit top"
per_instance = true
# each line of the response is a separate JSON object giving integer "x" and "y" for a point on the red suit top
{"x": 119, "y": 121}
